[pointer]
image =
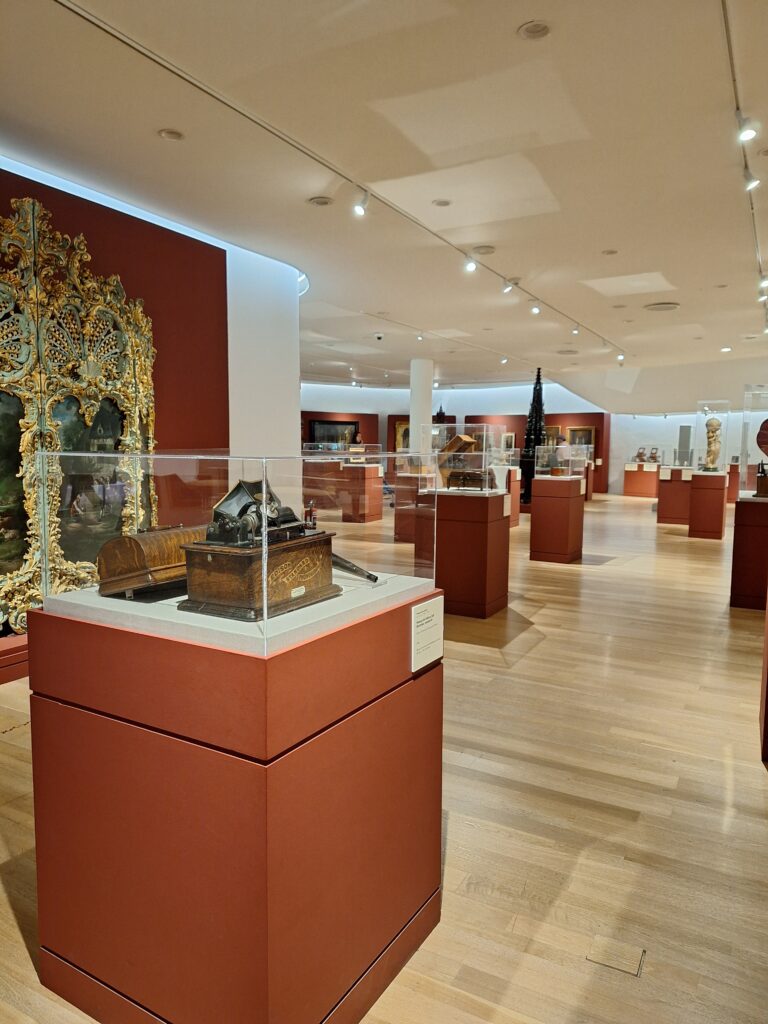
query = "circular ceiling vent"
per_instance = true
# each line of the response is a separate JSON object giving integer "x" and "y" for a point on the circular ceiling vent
{"x": 534, "y": 30}
{"x": 320, "y": 200}
{"x": 662, "y": 307}
{"x": 567, "y": 351}
{"x": 484, "y": 250}
{"x": 441, "y": 202}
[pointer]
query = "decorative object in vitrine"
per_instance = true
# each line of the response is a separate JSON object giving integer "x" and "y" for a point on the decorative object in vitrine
{"x": 653, "y": 455}
{"x": 761, "y": 481}
{"x": 762, "y": 438}
{"x": 479, "y": 479}
{"x": 76, "y": 360}
{"x": 224, "y": 571}
{"x": 451, "y": 457}
{"x": 580, "y": 435}
{"x": 146, "y": 560}
{"x": 508, "y": 441}
{"x": 712, "y": 458}
{"x": 639, "y": 455}
{"x": 535, "y": 436}
{"x": 402, "y": 435}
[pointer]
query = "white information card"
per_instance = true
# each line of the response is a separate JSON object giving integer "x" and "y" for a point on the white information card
{"x": 426, "y": 633}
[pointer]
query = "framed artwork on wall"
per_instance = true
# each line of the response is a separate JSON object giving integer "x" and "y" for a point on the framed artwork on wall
{"x": 552, "y": 431}
{"x": 580, "y": 435}
{"x": 402, "y": 434}
{"x": 333, "y": 431}
{"x": 508, "y": 441}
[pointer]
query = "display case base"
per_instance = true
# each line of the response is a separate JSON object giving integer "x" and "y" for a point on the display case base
{"x": 108, "y": 1006}
{"x": 557, "y": 524}
{"x": 707, "y": 508}
{"x": 749, "y": 566}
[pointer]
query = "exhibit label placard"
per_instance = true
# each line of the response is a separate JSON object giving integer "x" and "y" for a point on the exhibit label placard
{"x": 665, "y": 473}
{"x": 426, "y": 633}
{"x": 507, "y": 510}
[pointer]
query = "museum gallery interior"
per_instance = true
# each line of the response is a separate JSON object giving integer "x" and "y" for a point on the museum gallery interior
{"x": 383, "y": 512}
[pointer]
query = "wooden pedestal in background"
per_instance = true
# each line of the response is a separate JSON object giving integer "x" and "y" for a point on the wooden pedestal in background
{"x": 589, "y": 476}
{"x": 707, "y": 510}
{"x": 13, "y": 658}
{"x": 227, "y": 837}
{"x": 643, "y": 481}
{"x": 749, "y": 568}
{"x": 557, "y": 521}
{"x": 361, "y": 494}
{"x": 406, "y": 487}
{"x": 472, "y": 553}
{"x": 674, "y": 496}
{"x": 514, "y": 490}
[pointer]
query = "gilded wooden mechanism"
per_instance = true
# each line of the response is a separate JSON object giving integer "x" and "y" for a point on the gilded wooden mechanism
{"x": 226, "y": 574}
{"x": 76, "y": 361}
{"x": 146, "y": 560}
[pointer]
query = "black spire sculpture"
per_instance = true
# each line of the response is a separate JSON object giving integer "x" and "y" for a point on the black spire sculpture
{"x": 535, "y": 437}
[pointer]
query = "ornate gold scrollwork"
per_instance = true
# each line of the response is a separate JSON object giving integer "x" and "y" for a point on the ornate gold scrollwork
{"x": 65, "y": 331}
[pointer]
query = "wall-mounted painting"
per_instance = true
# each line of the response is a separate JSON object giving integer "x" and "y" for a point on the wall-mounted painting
{"x": 341, "y": 432}
{"x": 553, "y": 431}
{"x": 580, "y": 435}
{"x": 402, "y": 435}
{"x": 508, "y": 441}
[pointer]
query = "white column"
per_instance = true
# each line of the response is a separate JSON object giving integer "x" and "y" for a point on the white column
{"x": 422, "y": 373}
{"x": 264, "y": 371}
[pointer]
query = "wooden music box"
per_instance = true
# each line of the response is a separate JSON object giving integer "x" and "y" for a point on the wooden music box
{"x": 227, "y": 580}
{"x": 143, "y": 561}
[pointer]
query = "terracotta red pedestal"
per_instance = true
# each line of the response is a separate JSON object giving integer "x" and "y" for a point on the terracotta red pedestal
{"x": 361, "y": 493}
{"x": 514, "y": 482}
{"x": 228, "y": 837}
{"x": 406, "y": 486}
{"x": 641, "y": 481}
{"x": 472, "y": 553}
{"x": 706, "y": 517}
{"x": 749, "y": 565}
{"x": 557, "y": 521}
{"x": 589, "y": 476}
{"x": 674, "y": 496}
{"x": 13, "y": 658}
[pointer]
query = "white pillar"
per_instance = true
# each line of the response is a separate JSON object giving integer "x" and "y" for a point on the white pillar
{"x": 264, "y": 371}
{"x": 422, "y": 373}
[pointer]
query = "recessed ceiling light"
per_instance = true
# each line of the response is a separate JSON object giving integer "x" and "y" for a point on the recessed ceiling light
{"x": 484, "y": 250}
{"x": 662, "y": 307}
{"x": 610, "y": 252}
{"x": 726, "y": 348}
{"x": 721, "y": 286}
{"x": 620, "y": 305}
{"x": 532, "y": 31}
{"x": 567, "y": 351}
{"x": 320, "y": 201}
{"x": 171, "y": 134}
{"x": 442, "y": 202}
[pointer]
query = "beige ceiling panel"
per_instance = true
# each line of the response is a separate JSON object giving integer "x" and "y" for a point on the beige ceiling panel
{"x": 631, "y": 284}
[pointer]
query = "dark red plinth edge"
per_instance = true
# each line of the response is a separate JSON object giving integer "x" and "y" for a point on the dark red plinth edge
{"x": 108, "y": 1006}
{"x": 476, "y": 611}
{"x": 748, "y": 601}
{"x": 555, "y": 556}
{"x": 14, "y": 663}
{"x": 705, "y": 535}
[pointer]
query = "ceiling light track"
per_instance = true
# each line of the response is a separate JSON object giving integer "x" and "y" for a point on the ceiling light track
{"x": 178, "y": 72}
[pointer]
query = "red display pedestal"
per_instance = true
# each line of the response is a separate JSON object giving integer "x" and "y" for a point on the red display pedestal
{"x": 674, "y": 496}
{"x": 749, "y": 567}
{"x": 589, "y": 476}
{"x": 228, "y": 837}
{"x": 406, "y": 487}
{"x": 707, "y": 511}
{"x": 734, "y": 481}
{"x": 361, "y": 494}
{"x": 472, "y": 552}
{"x": 514, "y": 482}
{"x": 321, "y": 480}
{"x": 13, "y": 658}
{"x": 557, "y": 523}
{"x": 641, "y": 479}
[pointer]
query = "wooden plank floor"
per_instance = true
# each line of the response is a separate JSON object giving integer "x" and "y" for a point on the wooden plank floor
{"x": 605, "y": 808}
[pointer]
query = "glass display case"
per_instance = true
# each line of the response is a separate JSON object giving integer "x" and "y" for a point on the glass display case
{"x": 472, "y": 457}
{"x": 562, "y": 460}
{"x": 711, "y": 436}
{"x": 254, "y": 554}
{"x": 754, "y": 442}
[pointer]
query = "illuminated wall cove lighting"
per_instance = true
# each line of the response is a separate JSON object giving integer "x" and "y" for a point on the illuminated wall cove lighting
{"x": 361, "y": 205}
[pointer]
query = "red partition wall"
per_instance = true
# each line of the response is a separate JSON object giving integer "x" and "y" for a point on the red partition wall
{"x": 600, "y": 421}
{"x": 183, "y": 283}
{"x": 369, "y": 423}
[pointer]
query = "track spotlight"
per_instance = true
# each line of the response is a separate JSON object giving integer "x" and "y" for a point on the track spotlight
{"x": 419, "y": 337}
{"x": 726, "y": 348}
{"x": 575, "y": 329}
{"x": 507, "y": 287}
{"x": 764, "y": 282}
{"x": 361, "y": 205}
{"x": 435, "y": 384}
{"x": 535, "y": 309}
{"x": 762, "y": 298}
{"x": 747, "y": 130}
{"x": 750, "y": 180}
{"x": 765, "y": 329}
{"x": 620, "y": 357}
{"x": 469, "y": 265}
{"x": 504, "y": 361}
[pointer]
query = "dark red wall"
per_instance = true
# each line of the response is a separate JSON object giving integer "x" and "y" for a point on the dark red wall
{"x": 369, "y": 423}
{"x": 392, "y": 425}
{"x": 183, "y": 283}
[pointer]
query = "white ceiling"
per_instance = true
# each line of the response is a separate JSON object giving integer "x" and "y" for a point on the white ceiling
{"x": 615, "y": 132}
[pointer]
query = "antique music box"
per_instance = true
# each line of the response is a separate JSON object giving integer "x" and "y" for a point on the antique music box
{"x": 225, "y": 571}
{"x": 469, "y": 478}
{"x": 452, "y": 456}
{"x": 144, "y": 561}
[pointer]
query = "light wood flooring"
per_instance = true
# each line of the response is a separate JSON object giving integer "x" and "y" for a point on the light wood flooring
{"x": 605, "y": 808}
